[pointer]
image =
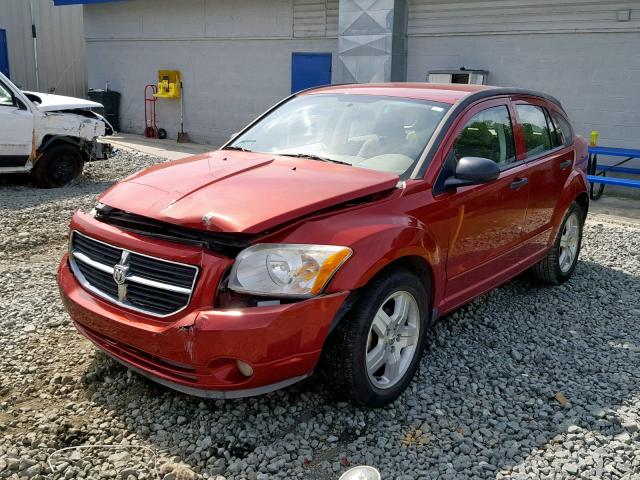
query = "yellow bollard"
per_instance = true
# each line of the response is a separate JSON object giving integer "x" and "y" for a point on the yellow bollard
{"x": 594, "y": 138}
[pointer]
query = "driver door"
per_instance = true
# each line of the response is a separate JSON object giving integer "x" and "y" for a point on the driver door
{"x": 16, "y": 134}
{"x": 487, "y": 220}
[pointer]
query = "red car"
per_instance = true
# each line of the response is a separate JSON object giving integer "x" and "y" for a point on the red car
{"x": 332, "y": 231}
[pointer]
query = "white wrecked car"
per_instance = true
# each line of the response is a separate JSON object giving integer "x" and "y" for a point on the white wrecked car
{"x": 50, "y": 136}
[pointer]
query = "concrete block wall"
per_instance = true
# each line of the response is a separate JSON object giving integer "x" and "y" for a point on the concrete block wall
{"x": 234, "y": 58}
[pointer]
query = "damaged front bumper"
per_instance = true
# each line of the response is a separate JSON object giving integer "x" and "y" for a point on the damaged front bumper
{"x": 197, "y": 350}
{"x": 97, "y": 150}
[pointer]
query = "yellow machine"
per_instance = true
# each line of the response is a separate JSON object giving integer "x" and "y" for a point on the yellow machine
{"x": 169, "y": 84}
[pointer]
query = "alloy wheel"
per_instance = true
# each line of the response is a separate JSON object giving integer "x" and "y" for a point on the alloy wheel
{"x": 392, "y": 341}
{"x": 569, "y": 241}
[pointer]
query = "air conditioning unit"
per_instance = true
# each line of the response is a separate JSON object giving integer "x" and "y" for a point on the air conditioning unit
{"x": 465, "y": 76}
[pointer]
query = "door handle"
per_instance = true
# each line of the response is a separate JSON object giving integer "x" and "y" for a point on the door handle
{"x": 519, "y": 182}
{"x": 566, "y": 164}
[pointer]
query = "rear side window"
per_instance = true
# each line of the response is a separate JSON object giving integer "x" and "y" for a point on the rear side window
{"x": 488, "y": 134}
{"x": 537, "y": 136}
{"x": 564, "y": 134}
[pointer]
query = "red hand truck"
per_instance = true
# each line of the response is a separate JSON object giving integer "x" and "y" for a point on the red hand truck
{"x": 150, "y": 126}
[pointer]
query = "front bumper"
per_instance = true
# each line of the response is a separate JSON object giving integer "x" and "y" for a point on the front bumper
{"x": 196, "y": 350}
{"x": 99, "y": 150}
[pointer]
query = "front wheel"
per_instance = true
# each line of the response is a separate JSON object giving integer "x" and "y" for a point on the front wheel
{"x": 374, "y": 353}
{"x": 59, "y": 165}
{"x": 562, "y": 259}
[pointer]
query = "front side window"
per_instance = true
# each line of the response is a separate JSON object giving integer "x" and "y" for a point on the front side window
{"x": 489, "y": 134}
{"x": 537, "y": 136}
{"x": 367, "y": 131}
{"x": 6, "y": 99}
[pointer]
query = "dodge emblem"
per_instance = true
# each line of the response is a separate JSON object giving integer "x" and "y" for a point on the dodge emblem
{"x": 120, "y": 273}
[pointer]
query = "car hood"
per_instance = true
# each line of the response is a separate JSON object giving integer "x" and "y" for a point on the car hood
{"x": 47, "y": 102}
{"x": 243, "y": 192}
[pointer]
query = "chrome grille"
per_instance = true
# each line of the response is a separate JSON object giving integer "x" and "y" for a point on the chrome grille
{"x": 130, "y": 279}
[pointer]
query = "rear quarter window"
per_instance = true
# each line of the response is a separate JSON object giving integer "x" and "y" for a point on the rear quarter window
{"x": 564, "y": 133}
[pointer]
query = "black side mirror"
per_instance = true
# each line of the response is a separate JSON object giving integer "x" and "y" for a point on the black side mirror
{"x": 473, "y": 171}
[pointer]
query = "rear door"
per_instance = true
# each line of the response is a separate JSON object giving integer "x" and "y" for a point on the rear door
{"x": 548, "y": 151}
{"x": 16, "y": 131}
{"x": 486, "y": 226}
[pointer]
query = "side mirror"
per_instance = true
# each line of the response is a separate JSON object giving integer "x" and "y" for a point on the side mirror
{"x": 473, "y": 171}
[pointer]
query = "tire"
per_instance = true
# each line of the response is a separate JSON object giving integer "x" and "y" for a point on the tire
{"x": 59, "y": 165}
{"x": 356, "y": 340}
{"x": 556, "y": 267}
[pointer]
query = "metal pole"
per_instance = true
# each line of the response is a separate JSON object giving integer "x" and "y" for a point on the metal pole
{"x": 35, "y": 45}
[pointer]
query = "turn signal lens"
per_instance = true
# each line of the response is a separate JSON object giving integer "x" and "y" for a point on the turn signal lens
{"x": 329, "y": 267}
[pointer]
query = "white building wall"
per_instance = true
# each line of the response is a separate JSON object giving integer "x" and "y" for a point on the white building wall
{"x": 447, "y": 17}
{"x": 61, "y": 48}
{"x": 234, "y": 57}
{"x": 576, "y": 50}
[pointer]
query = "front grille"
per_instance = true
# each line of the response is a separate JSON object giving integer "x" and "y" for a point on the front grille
{"x": 145, "y": 284}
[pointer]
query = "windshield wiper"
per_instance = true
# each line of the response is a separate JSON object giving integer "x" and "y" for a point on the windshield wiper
{"x": 240, "y": 149}
{"x": 311, "y": 156}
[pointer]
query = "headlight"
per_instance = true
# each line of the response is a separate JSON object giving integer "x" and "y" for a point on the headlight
{"x": 286, "y": 270}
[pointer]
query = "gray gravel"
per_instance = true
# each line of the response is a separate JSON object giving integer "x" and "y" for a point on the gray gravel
{"x": 526, "y": 382}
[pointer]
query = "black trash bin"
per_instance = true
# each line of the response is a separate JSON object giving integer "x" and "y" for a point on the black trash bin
{"x": 111, "y": 102}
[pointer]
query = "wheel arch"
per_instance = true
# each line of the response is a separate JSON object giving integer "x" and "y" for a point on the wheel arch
{"x": 583, "y": 201}
{"x": 49, "y": 141}
{"x": 575, "y": 190}
{"x": 416, "y": 264}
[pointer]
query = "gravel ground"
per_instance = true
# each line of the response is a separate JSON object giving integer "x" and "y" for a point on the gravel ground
{"x": 525, "y": 382}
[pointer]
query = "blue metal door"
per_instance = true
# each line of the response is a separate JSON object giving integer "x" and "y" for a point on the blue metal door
{"x": 310, "y": 70}
{"x": 4, "y": 53}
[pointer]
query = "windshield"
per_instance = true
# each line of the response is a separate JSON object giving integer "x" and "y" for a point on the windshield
{"x": 367, "y": 131}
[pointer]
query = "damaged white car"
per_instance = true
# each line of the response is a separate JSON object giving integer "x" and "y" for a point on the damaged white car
{"x": 50, "y": 136}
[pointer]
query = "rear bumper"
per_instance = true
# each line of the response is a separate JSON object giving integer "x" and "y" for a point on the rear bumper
{"x": 196, "y": 353}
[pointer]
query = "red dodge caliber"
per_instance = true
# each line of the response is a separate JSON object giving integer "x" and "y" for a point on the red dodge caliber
{"x": 332, "y": 231}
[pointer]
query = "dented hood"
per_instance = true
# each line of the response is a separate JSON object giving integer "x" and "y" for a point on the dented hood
{"x": 241, "y": 191}
{"x": 47, "y": 102}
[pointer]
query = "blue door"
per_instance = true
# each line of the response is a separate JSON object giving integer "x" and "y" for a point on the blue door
{"x": 4, "y": 53}
{"x": 310, "y": 70}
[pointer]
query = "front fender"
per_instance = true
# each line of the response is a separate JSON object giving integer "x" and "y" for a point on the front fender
{"x": 373, "y": 253}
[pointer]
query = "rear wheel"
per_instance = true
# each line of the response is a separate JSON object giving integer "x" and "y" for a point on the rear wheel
{"x": 561, "y": 261}
{"x": 58, "y": 166}
{"x": 374, "y": 353}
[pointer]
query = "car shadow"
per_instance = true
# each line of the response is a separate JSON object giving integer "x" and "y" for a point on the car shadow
{"x": 490, "y": 393}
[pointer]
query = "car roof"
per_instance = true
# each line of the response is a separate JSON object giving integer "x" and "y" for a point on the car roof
{"x": 450, "y": 93}
{"x": 437, "y": 92}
